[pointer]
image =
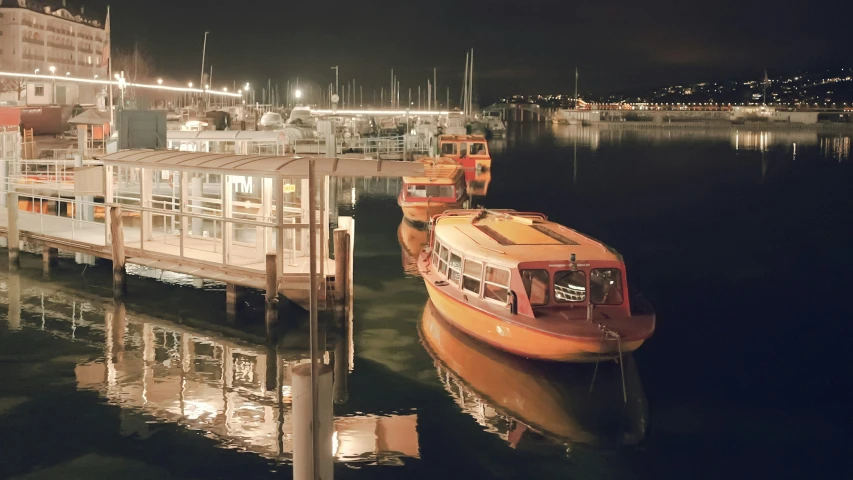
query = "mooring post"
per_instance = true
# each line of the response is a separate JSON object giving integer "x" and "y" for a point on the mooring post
{"x": 49, "y": 259}
{"x": 341, "y": 266}
{"x": 231, "y": 297}
{"x": 305, "y": 459}
{"x": 14, "y": 235}
{"x": 119, "y": 272}
{"x": 271, "y": 310}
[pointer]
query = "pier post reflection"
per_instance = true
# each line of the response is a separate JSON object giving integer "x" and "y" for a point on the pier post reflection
{"x": 14, "y": 285}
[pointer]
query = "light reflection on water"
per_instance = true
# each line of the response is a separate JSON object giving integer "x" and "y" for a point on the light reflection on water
{"x": 235, "y": 392}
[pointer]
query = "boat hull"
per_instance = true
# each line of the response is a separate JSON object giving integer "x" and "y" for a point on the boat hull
{"x": 419, "y": 213}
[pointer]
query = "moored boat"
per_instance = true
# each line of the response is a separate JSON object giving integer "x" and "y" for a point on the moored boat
{"x": 441, "y": 187}
{"x": 412, "y": 240}
{"x": 470, "y": 151}
{"x": 532, "y": 287}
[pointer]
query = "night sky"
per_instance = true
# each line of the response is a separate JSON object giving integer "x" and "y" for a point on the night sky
{"x": 520, "y": 46}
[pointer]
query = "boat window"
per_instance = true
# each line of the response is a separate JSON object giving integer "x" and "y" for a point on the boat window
{"x": 496, "y": 284}
{"x": 471, "y": 276}
{"x": 463, "y": 150}
{"x": 605, "y": 286}
{"x": 435, "y": 250}
{"x": 478, "y": 149}
{"x": 454, "y": 272}
{"x": 431, "y": 191}
{"x": 536, "y": 284}
{"x": 442, "y": 260}
{"x": 570, "y": 286}
{"x": 448, "y": 148}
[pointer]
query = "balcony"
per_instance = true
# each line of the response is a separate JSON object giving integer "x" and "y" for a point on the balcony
{"x": 60, "y": 45}
{"x": 64, "y": 61}
{"x": 30, "y": 56}
{"x": 33, "y": 41}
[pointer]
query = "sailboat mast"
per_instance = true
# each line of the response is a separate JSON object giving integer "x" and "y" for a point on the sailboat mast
{"x": 464, "y": 101}
{"x": 576, "y": 88}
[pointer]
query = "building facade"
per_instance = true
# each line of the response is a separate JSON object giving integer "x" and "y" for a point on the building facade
{"x": 40, "y": 35}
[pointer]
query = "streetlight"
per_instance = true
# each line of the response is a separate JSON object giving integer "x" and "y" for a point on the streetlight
{"x": 190, "y": 84}
{"x": 52, "y": 69}
{"x": 159, "y": 81}
{"x": 67, "y": 74}
{"x": 37, "y": 71}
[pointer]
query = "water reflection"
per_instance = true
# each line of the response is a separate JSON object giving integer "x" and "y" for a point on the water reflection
{"x": 412, "y": 240}
{"x": 235, "y": 392}
{"x": 509, "y": 395}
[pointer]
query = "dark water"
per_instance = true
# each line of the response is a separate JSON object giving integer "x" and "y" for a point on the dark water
{"x": 740, "y": 239}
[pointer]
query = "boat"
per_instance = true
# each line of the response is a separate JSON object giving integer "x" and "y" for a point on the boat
{"x": 454, "y": 124}
{"x": 532, "y": 287}
{"x": 495, "y": 125}
{"x": 441, "y": 187}
{"x": 514, "y": 397}
{"x": 470, "y": 151}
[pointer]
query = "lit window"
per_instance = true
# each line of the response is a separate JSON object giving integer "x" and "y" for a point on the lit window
{"x": 90, "y": 59}
{"x": 536, "y": 284}
{"x": 605, "y": 286}
{"x": 496, "y": 284}
{"x": 471, "y": 276}
{"x": 570, "y": 286}
{"x": 454, "y": 265}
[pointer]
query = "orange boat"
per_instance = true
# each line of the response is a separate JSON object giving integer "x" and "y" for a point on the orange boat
{"x": 470, "y": 151}
{"x": 441, "y": 187}
{"x": 511, "y": 395}
{"x": 478, "y": 186}
{"x": 532, "y": 287}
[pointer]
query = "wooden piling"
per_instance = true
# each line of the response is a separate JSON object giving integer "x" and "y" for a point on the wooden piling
{"x": 119, "y": 272}
{"x": 231, "y": 294}
{"x": 49, "y": 259}
{"x": 341, "y": 266}
{"x": 271, "y": 310}
{"x": 14, "y": 234}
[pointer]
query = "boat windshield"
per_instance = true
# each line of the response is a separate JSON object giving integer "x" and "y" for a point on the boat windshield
{"x": 478, "y": 149}
{"x": 536, "y": 284}
{"x": 448, "y": 149}
{"x": 570, "y": 286}
{"x": 605, "y": 286}
{"x": 432, "y": 191}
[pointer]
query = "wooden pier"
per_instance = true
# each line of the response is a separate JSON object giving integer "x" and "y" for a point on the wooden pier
{"x": 243, "y": 220}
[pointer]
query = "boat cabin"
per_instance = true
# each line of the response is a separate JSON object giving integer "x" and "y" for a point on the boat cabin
{"x": 523, "y": 262}
{"x": 463, "y": 146}
{"x": 442, "y": 182}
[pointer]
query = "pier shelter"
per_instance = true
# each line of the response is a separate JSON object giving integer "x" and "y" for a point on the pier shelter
{"x": 215, "y": 216}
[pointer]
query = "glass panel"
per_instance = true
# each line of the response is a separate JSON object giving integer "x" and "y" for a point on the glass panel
{"x": 495, "y": 292}
{"x": 605, "y": 286}
{"x": 478, "y": 148}
{"x": 443, "y": 254}
{"x": 536, "y": 284}
{"x": 498, "y": 276}
{"x": 570, "y": 286}
{"x": 474, "y": 269}
{"x": 471, "y": 276}
{"x": 448, "y": 149}
{"x": 463, "y": 149}
{"x": 455, "y": 266}
{"x": 435, "y": 250}
{"x": 442, "y": 267}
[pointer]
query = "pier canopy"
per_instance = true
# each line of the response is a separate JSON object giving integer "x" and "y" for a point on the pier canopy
{"x": 241, "y": 142}
{"x": 280, "y": 166}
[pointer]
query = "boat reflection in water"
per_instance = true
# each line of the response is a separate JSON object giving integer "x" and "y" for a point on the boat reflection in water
{"x": 236, "y": 392}
{"x": 412, "y": 240}
{"x": 509, "y": 395}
